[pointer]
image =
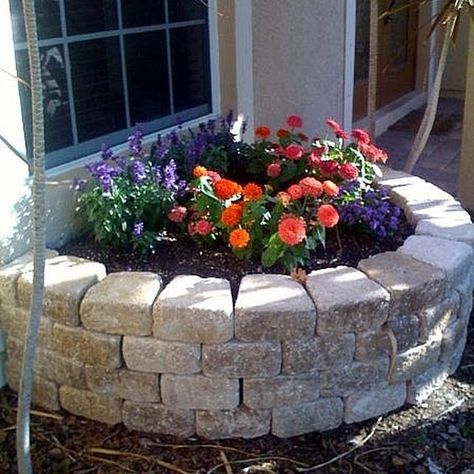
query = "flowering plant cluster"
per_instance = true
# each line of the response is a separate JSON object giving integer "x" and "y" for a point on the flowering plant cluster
{"x": 273, "y": 198}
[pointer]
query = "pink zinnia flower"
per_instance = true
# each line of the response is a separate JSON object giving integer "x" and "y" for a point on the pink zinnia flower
{"x": 203, "y": 227}
{"x": 294, "y": 121}
{"x": 294, "y": 151}
{"x": 273, "y": 170}
{"x": 177, "y": 214}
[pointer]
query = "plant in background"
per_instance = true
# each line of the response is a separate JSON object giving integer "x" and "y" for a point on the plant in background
{"x": 128, "y": 199}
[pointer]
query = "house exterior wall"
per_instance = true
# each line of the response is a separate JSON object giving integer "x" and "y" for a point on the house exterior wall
{"x": 62, "y": 222}
{"x": 298, "y": 61}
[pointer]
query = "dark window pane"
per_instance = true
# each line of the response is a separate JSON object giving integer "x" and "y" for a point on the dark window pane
{"x": 147, "y": 75}
{"x": 57, "y": 121}
{"x": 191, "y": 69}
{"x": 142, "y": 12}
{"x": 97, "y": 87}
{"x": 184, "y": 10}
{"x": 47, "y": 17}
{"x": 88, "y": 16}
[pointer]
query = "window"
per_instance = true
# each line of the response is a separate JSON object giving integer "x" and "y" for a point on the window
{"x": 108, "y": 65}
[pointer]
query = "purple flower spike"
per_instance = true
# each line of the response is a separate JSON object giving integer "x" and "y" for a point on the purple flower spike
{"x": 138, "y": 172}
{"x": 138, "y": 229}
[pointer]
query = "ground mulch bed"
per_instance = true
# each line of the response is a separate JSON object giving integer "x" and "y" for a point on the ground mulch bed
{"x": 433, "y": 438}
{"x": 177, "y": 255}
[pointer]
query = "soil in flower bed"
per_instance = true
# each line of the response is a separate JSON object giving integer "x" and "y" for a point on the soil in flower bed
{"x": 179, "y": 255}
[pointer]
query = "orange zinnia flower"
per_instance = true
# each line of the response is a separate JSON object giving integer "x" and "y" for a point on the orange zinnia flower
{"x": 199, "y": 171}
{"x": 239, "y": 238}
{"x": 328, "y": 215}
{"x": 252, "y": 192}
{"x": 311, "y": 187}
{"x": 331, "y": 188}
{"x": 231, "y": 215}
{"x": 225, "y": 188}
{"x": 292, "y": 230}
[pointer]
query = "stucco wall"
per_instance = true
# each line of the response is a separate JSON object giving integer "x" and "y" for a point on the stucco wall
{"x": 308, "y": 39}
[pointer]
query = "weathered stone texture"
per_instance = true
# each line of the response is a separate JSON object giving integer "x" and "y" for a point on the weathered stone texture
{"x": 194, "y": 309}
{"x": 122, "y": 383}
{"x": 411, "y": 283}
{"x": 417, "y": 212}
{"x": 347, "y": 301}
{"x": 364, "y": 405}
{"x": 453, "y": 335}
{"x": 392, "y": 178}
{"x": 422, "y": 386}
{"x": 415, "y": 361}
{"x": 199, "y": 392}
{"x": 320, "y": 415}
{"x": 240, "y": 423}
{"x": 446, "y": 228}
{"x": 91, "y": 348}
{"x": 91, "y": 405}
{"x": 454, "y": 258}
{"x": 317, "y": 353}
{"x": 273, "y": 307}
{"x": 406, "y": 329}
{"x": 10, "y": 273}
{"x": 147, "y": 354}
{"x": 419, "y": 193}
{"x": 66, "y": 281}
{"x": 373, "y": 344}
{"x": 121, "y": 304}
{"x": 241, "y": 359}
{"x": 354, "y": 377}
{"x": 435, "y": 319}
{"x": 281, "y": 391}
{"x": 157, "y": 418}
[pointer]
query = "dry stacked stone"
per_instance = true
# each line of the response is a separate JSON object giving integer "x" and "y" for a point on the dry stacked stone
{"x": 286, "y": 359}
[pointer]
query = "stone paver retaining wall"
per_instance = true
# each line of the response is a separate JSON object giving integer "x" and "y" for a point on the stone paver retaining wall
{"x": 285, "y": 359}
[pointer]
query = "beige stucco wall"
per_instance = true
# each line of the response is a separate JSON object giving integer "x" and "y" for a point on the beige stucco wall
{"x": 306, "y": 36}
{"x": 454, "y": 80}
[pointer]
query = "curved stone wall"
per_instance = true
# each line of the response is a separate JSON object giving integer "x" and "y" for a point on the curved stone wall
{"x": 284, "y": 358}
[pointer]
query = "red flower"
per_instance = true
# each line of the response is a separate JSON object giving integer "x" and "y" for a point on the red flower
{"x": 348, "y": 171}
{"x": 282, "y": 133}
{"x": 177, "y": 214}
{"x": 328, "y": 167}
{"x": 231, "y": 215}
{"x": 273, "y": 170}
{"x": 337, "y": 129}
{"x": 284, "y": 198}
{"x": 314, "y": 159}
{"x": 361, "y": 136}
{"x": 295, "y": 192}
{"x": 203, "y": 227}
{"x": 294, "y": 121}
{"x": 311, "y": 187}
{"x": 294, "y": 151}
{"x": 239, "y": 238}
{"x": 328, "y": 215}
{"x": 330, "y": 188}
{"x": 291, "y": 230}
{"x": 252, "y": 192}
{"x": 225, "y": 188}
{"x": 262, "y": 132}
{"x": 372, "y": 153}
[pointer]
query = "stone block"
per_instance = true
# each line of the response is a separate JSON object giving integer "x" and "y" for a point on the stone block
{"x": 454, "y": 334}
{"x": 406, "y": 329}
{"x": 466, "y": 296}
{"x": 435, "y": 319}
{"x": 121, "y": 304}
{"x": 91, "y": 405}
{"x": 273, "y": 307}
{"x": 242, "y": 422}
{"x": 66, "y": 281}
{"x": 419, "y": 193}
{"x": 194, "y": 309}
{"x": 416, "y": 212}
{"x": 321, "y": 415}
{"x": 147, "y": 354}
{"x": 392, "y": 178}
{"x": 91, "y": 348}
{"x": 364, "y": 405}
{"x": 317, "y": 353}
{"x": 281, "y": 391}
{"x": 457, "y": 354}
{"x": 199, "y": 392}
{"x": 422, "y": 386}
{"x": 347, "y": 301}
{"x": 241, "y": 359}
{"x": 157, "y": 418}
{"x": 373, "y": 344}
{"x": 454, "y": 258}
{"x": 10, "y": 273}
{"x": 354, "y": 377}
{"x": 415, "y": 361}
{"x": 123, "y": 383}
{"x": 411, "y": 283}
{"x": 446, "y": 228}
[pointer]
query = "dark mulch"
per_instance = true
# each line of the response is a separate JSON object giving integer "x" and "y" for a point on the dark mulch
{"x": 436, "y": 437}
{"x": 180, "y": 255}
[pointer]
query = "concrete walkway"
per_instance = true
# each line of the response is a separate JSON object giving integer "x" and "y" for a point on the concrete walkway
{"x": 439, "y": 162}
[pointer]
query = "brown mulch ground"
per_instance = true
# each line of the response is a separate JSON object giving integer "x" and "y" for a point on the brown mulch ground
{"x": 436, "y": 437}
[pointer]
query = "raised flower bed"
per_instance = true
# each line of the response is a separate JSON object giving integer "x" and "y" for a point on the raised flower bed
{"x": 283, "y": 358}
